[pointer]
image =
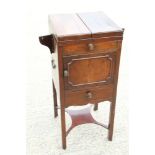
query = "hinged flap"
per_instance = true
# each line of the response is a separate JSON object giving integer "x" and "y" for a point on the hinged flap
{"x": 68, "y": 27}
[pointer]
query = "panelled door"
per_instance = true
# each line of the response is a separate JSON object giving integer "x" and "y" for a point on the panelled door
{"x": 88, "y": 70}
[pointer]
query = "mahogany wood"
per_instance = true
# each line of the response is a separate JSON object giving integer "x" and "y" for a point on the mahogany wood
{"x": 68, "y": 26}
{"x": 82, "y": 117}
{"x": 62, "y": 97}
{"x": 85, "y": 51}
{"x": 111, "y": 37}
{"x": 113, "y": 103}
{"x": 96, "y": 107}
{"x": 98, "y": 23}
{"x": 55, "y": 101}
{"x": 83, "y": 48}
{"x": 89, "y": 70}
{"x": 81, "y": 97}
{"x": 48, "y": 41}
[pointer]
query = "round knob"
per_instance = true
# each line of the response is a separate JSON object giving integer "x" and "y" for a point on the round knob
{"x": 65, "y": 73}
{"x": 91, "y": 47}
{"x": 89, "y": 95}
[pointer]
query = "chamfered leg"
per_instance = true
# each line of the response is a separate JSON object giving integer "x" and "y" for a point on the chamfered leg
{"x": 113, "y": 101}
{"x": 55, "y": 101}
{"x": 63, "y": 127}
{"x": 111, "y": 119}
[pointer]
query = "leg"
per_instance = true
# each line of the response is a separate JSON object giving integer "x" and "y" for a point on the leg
{"x": 96, "y": 107}
{"x": 55, "y": 101}
{"x": 111, "y": 119}
{"x": 113, "y": 101}
{"x": 62, "y": 96}
{"x": 63, "y": 127}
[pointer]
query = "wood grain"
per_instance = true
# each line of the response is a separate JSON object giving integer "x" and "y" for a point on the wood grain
{"x": 68, "y": 26}
{"x": 113, "y": 102}
{"x": 89, "y": 70}
{"x": 98, "y": 23}
{"x": 99, "y": 94}
{"x": 83, "y": 48}
{"x": 86, "y": 46}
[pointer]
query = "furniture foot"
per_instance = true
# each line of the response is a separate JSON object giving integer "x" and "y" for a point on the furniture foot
{"x": 96, "y": 107}
{"x": 64, "y": 146}
{"x": 111, "y": 121}
{"x": 63, "y": 128}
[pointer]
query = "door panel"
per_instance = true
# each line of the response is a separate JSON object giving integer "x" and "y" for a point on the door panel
{"x": 88, "y": 70}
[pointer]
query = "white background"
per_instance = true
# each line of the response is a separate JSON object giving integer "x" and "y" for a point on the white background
{"x": 20, "y": 19}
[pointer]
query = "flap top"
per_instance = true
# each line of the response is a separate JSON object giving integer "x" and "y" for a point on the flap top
{"x": 82, "y": 26}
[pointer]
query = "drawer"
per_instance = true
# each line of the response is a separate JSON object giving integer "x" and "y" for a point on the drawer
{"x": 85, "y": 96}
{"x": 90, "y": 47}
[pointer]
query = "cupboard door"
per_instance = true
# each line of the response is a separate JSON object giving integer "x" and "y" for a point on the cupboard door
{"x": 88, "y": 70}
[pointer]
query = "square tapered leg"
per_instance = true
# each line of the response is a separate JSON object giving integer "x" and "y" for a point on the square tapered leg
{"x": 55, "y": 101}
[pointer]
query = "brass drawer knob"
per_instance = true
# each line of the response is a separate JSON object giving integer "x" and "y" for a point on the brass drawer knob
{"x": 65, "y": 73}
{"x": 89, "y": 95}
{"x": 91, "y": 47}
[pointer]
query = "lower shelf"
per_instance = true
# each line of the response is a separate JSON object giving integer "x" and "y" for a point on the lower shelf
{"x": 82, "y": 116}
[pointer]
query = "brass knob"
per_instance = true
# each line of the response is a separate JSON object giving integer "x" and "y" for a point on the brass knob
{"x": 91, "y": 47}
{"x": 53, "y": 64}
{"x": 89, "y": 95}
{"x": 65, "y": 73}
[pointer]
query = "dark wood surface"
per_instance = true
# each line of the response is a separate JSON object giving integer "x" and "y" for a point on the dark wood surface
{"x": 68, "y": 26}
{"x": 83, "y": 48}
{"x": 113, "y": 102}
{"x": 48, "y": 41}
{"x": 81, "y": 26}
{"x": 98, "y": 23}
{"x": 82, "y": 117}
{"x": 86, "y": 50}
{"x": 89, "y": 70}
{"x": 81, "y": 97}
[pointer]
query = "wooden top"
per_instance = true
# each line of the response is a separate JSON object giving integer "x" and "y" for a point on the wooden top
{"x": 82, "y": 26}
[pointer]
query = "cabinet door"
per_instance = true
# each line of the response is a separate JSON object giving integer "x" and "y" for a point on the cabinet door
{"x": 88, "y": 70}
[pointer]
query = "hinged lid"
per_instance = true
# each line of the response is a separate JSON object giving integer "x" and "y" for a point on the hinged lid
{"x": 82, "y": 26}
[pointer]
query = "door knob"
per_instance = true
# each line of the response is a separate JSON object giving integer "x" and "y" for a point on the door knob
{"x": 91, "y": 47}
{"x": 65, "y": 73}
{"x": 89, "y": 95}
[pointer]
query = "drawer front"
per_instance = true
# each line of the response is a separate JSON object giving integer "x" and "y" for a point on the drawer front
{"x": 90, "y": 47}
{"x": 85, "y": 96}
{"x": 91, "y": 70}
